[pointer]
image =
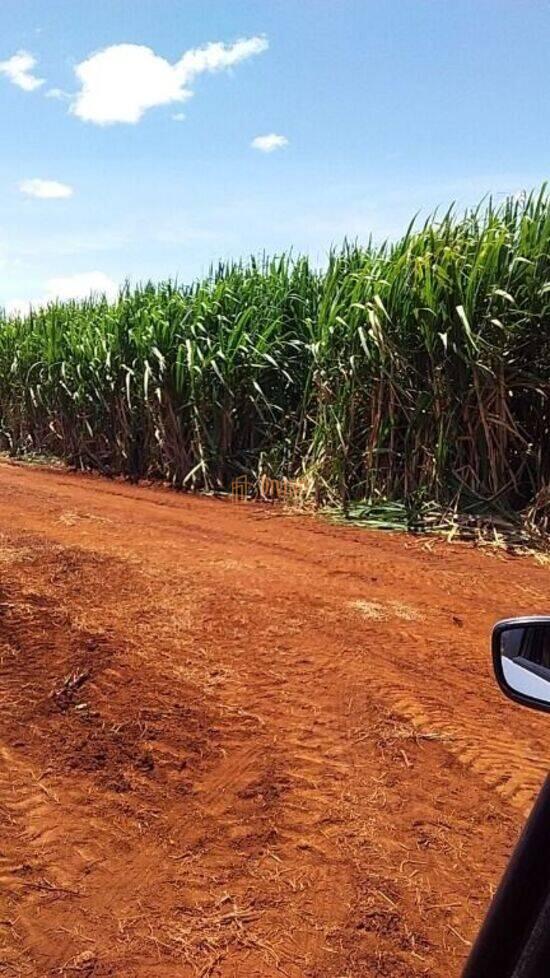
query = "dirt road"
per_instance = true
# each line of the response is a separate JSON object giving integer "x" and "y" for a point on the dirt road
{"x": 235, "y": 743}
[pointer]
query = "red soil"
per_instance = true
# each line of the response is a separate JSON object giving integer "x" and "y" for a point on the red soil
{"x": 236, "y": 743}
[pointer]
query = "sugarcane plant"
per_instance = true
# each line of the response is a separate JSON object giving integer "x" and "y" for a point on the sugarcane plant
{"x": 415, "y": 369}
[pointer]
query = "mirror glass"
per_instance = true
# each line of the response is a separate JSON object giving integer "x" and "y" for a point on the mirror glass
{"x": 525, "y": 659}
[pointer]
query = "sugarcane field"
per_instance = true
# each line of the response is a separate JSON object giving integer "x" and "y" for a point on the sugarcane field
{"x": 274, "y": 489}
{"x": 239, "y": 732}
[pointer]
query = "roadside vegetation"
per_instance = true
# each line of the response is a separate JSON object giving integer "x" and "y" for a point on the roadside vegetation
{"x": 413, "y": 371}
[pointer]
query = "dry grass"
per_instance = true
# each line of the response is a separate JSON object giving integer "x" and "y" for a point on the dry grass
{"x": 385, "y": 611}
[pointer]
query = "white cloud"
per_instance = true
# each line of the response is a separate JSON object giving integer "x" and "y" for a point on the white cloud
{"x": 81, "y": 285}
{"x": 266, "y": 144}
{"x": 18, "y": 307}
{"x": 47, "y": 189}
{"x": 18, "y": 69}
{"x": 121, "y": 82}
{"x": 217, "y": 56}
{"x": 58, "y": 93}
{"x": 178, "y": 116}
{"x": 78, "y": 286}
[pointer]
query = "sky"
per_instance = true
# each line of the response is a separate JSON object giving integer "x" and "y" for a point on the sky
{"x": 147, "y": 139}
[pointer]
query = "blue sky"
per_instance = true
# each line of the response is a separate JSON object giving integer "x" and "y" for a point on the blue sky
{"x": 383, "y": 108}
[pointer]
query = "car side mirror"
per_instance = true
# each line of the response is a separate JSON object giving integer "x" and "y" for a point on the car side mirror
{"x": 521, "y": 660}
